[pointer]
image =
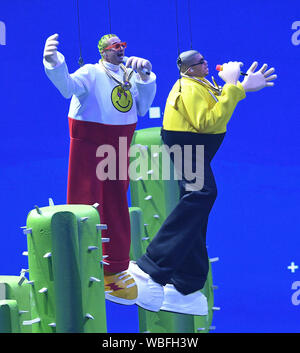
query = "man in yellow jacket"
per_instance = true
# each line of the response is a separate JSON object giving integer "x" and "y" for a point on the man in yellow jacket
{"x": 175, "y": 265}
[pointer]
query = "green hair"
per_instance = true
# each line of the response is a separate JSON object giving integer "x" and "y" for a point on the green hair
{"x": 103, "y": 42}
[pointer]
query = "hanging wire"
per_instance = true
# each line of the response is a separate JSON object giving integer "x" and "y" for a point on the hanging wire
{"x": 80, "y": 61}
{"x": 178, "y": 48}
{"x": 190, "y": 23}
{"x": 177, "y": 26}
{"x": 109, "y": 16}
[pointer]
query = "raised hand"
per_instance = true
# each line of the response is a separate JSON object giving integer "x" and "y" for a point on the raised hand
{"x": 50, "y": 50}
{"x": 231, "y": 72}
{"x": 255, "y": 81}
{"x": 138, "y": 64}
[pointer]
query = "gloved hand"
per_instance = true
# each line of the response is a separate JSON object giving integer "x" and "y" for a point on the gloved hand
{"x": 138, "y": 64}
{"x": 231, "y": 72}
{"x": 50, "y": 50}
{"x": 258, "y": 80}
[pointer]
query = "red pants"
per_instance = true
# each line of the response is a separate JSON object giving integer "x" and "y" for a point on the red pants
{"x": 84, "y": 187}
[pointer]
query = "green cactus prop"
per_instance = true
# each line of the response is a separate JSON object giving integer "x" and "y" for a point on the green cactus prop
{"x": 9, "y": 316}
{"x": 152, "y": 200}
{"x": 15, "y": 298}
{"x": 65, "y": 269}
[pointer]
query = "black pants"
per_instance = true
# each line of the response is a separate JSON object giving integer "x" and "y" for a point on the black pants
{"x": 177, "y": 254}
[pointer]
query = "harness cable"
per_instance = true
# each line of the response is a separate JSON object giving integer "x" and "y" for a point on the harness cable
{"x": 178, "y": 48}
{"x": 190, "y": 22}
{"x": 109, "y": 16}
{"x": 177, "y": 31}
{"x": 80, "y": 61}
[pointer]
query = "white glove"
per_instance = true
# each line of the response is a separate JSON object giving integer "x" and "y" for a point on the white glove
{"x": 50, "y": 50}
{"x": 258, "y": 80}
{"x": 138, "y": 64}
{"x": 231, "y": 72}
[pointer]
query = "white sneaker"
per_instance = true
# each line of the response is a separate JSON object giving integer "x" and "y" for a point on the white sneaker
{"x": 193, "y": 304}
{"x": 150, "y": 293}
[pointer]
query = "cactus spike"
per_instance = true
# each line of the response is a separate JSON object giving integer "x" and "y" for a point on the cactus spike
{"x": 51, "y": 203}
{"x": 22, "y": 279}
{"x": 52, "y": 324}
{"x": 95, "y": 205}
{"x": 31, "y": 322}
{"x": 156, "y": 216}
{"x": 101, "y": 226}
{"x": 23, "y": 271}
{"x": 95, "y": 279}
{"x": 92, "y": 247}
{"x": 43, "y": 290}
{"x": 27, "y": 231}
{"x": 30, "y": 282}
{"x": 149, "y": 197}
{"x": 89, "y": 316}
{"x": 25, "y": 253}
{"x": 83, "y": 219}
{"x": 104, "y": 263}
{"x": 216, "y": 308}
{"x": 47, "y": 255}
{"x": 38, "y": 209}
{"x": 105, "y": 240}
{"x": 145, "y": 238}
{"x": 23, "y": 312}
{"x": 214, "y": 259}
{"x": 201, "y": 329}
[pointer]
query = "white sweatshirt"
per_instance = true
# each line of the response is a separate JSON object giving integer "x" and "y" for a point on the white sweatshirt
{"x": 91, "y": 91}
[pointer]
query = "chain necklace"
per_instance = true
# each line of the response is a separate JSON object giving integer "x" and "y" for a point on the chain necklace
{"x": 127, "y": 74}
{"x": 216, "y": 89}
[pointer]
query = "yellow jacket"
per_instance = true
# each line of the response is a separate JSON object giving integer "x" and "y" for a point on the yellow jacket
{"x": 195, "y": 110}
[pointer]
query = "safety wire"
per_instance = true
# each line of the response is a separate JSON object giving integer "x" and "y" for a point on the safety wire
{"x": 109, "y": 16}
{"x": 80, "y": 61}
{"x": 177, "y": 32}
{"x": 190, "y": 23}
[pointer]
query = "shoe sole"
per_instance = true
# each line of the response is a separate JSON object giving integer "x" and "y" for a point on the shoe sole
{"x": 182, "y": 311}
{"x": 147, "y": 307}
{"x": 117, "y": 300}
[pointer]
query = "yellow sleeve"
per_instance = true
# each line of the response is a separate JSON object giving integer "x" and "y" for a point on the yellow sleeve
{"x": 206, "y": 115}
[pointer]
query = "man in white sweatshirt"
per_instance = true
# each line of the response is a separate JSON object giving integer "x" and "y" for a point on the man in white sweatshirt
{"x": 106, "y": 99}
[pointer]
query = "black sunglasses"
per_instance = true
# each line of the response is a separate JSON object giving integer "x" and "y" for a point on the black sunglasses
{"x": 201, "y": 62}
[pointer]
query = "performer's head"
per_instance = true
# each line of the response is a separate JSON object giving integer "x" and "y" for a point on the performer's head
{"x": 192, "y": 63}
{"x": 111, "y": 49}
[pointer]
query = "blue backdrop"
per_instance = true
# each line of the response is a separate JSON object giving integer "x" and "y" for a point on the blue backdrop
{"x": 254, "y": 226}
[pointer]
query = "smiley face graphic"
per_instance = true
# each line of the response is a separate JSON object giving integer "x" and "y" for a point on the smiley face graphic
{"x": 121, "y": 100}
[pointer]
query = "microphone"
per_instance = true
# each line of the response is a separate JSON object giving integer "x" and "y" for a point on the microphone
{"x": 220, "y": 68}
{"x": 144, "y": 71}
